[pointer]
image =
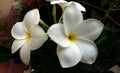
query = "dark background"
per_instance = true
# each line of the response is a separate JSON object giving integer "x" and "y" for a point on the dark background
{"x": 44, "y": 60}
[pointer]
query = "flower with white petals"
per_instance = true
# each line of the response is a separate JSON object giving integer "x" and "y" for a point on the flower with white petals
{"x": 28, "y": 35}
{"x": 64, "y": 4}
{"x": 75, "y": 37}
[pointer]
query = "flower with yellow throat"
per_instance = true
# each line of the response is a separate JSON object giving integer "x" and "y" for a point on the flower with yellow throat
{"x": 28, "y": 35}
{"x": 75, "y": 37}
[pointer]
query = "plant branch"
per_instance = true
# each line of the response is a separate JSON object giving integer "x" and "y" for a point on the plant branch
{"x": 107, "y": 12}
{"x": 103, "y": 10}
{"x": 113, "y": 20}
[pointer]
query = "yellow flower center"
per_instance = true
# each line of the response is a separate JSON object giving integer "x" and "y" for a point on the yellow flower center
{"x": 71, "y": 37}
{"x": 28, "y": 36}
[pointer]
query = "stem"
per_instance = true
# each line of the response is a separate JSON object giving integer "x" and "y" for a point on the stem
{"x": 44, "y": 25}
{"x": 60, "y": 20}
{"x": 115, "y": 9}
{"x": 54, "y": 13}
{"x": 113, "y": 21}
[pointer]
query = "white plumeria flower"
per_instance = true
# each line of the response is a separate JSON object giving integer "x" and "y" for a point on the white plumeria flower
{"x": 28, "y": 35}
{"x": 64, "y": 4}
{"x": 75, "y": 37}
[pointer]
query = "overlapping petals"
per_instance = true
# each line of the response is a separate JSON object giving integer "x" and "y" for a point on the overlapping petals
{"x": 64, "y": 4}
{"x": 90, "y": 29}
{"x": 38, "y": 37}
{"x": 25, "y": 53}
{"x": 71, "y": 18}
{"x": 69, "y": 56}
{"x": 18, "y": 31}
{"x": 89, "y": 50}
{"x": 17, "y": 44}
{"x": 31, "y": 18}
{"x": 78, "y": 5}
{"x": 57, "y": 30}
{"x": 28, "y": 35}
{"x": 78, "y": 34}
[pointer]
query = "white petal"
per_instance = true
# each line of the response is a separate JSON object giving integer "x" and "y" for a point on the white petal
{"x": 57, "y": 34}
{"x": 89, "y": 50}
{"x": 69, "y": 56}
{"x": 25, "y": 53}
{"x": 71, "y": 18}
{"x": 16, "y": 45}
{"x": 31, "y": 18}
{"x": 38, "y": 37}
{"x": 80, "y": 7}
{"x": 62, "y": 3}
{"x": 18, "y": 31}
{"x": 51, "y": 0}
{"x": 90, "y": 29}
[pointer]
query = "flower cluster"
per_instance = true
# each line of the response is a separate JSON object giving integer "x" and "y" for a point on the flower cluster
{"x": 28, "y": 34}
{"x": 73, "y": 35}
